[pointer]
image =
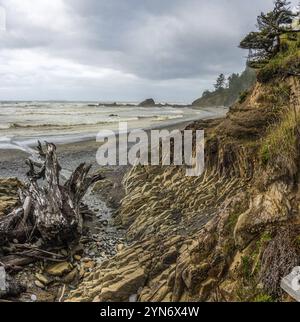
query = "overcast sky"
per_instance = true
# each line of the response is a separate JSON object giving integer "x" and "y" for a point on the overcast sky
{"x": 128, "y": 50}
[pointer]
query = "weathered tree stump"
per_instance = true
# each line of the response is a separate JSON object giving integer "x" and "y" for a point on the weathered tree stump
{"x": 48, "y": 210}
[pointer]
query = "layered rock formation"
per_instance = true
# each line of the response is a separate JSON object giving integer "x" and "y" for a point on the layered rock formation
{"x": 205, "y": 238}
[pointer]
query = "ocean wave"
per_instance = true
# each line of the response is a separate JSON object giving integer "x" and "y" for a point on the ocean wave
{"x": 68, "y": 125}
{"x": 166, "y": 118}
{"x": 107, "y": 120}
{"x": 4, "y": 126}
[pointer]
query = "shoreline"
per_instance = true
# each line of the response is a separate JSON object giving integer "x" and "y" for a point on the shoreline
{"x": 19, "y": 138}
{"x": 12, "y": 161}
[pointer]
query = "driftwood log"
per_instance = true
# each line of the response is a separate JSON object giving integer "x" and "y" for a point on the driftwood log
{"x": 8, "y": 287}
{"x": 49, "y": 210}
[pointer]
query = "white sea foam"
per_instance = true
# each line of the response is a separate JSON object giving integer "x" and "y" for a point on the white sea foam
{"x": 23, "y": 123}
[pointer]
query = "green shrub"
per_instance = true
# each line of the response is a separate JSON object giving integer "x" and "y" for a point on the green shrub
{"x": 246, "y": 267}
{"x": 265, "y": 154}
{"x": 297, "y": 241}
{"x": 231, "y": 222}
{"x": 288, "y": 58}
{"x": 265, "y": 238}
{"x": 243, "y": 96}
{"x": 280, "y": 141}
{"x": 263, "y": 298}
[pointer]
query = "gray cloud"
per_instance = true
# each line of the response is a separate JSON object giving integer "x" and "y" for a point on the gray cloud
{"x": 121, "y": 49}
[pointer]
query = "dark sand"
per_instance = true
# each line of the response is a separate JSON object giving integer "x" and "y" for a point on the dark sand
{"x": 12, "y": 162}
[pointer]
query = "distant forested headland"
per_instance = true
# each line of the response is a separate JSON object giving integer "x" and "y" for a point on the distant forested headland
{"x": 227, "y": 91}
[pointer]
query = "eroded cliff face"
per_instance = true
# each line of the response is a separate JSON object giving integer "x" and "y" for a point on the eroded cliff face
{"x": 229, "y": 235}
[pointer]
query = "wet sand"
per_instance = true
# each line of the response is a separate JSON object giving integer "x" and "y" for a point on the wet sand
{"x": 12, "y": 162}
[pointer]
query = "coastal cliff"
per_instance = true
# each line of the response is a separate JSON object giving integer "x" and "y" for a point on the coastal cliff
{"x": 229, "y": 235}
{"x": 227, "y": 94}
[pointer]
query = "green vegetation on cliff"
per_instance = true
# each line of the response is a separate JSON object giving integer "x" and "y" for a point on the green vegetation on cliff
{"x": 266, "y": 43}
{"x": 285, "y": 63}
{"x": 226, "y": 94}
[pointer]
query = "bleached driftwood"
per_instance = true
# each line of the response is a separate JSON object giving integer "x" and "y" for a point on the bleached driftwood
{"x": 48, "y": 210}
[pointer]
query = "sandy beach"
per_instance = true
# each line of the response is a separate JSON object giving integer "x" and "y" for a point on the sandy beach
{"x": 12, "y": 162}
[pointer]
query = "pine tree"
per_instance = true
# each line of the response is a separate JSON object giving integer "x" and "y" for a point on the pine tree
{"x": 220, "y": 83}
{"x": 265, "y": 43}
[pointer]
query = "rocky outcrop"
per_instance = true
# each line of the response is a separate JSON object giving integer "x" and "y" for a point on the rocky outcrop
{"x": 147, "y": 103}
{"x": 214, "y": 237}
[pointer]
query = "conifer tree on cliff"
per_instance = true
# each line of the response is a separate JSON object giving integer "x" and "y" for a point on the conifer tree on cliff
{"x": 220, "y": 83}
{"x": 265, "y": 43}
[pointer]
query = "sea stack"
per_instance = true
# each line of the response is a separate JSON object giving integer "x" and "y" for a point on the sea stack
{"x": 147, "y": 103}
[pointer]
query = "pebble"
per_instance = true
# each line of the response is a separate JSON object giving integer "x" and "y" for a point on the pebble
{"x": 33, "y": 297}
{"x": 69, "y": 278}
{"x": 77, "y": 257}
{"x": 86, "y": 259}
{"x": 43, "y": 279}
{"x": 89, "y": 265}
{"x": 120, "y": 247}
{"x": 104, "y": 222}
{"x": 39, "y": 284}
{"x": 133, "y": 298}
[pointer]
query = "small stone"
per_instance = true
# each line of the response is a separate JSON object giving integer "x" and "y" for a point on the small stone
{"x": 43, "y": 279}
{"x": 120, "y": 247}
{"x": 39, "y": 284}
{"x": 104, "y": 222}
{"x": 59, "y": 269}
{"x": 33, "y": 297}
{"x": 69, "y": 278}
{"x": 89, "y": 265}
{"x": 77, "y": 257}
{"x": 15, "y": 241}
{"x": 133, "y": 298}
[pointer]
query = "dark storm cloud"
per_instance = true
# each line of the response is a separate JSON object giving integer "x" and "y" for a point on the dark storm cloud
{"x": 155, "y": 46}
{"x": 168, "y": 39}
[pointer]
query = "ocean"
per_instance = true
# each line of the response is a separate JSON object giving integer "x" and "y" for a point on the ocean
{"x": 23, "y": 123}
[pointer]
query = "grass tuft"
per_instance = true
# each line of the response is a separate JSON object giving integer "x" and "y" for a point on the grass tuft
{"x": 280, "y": 142}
